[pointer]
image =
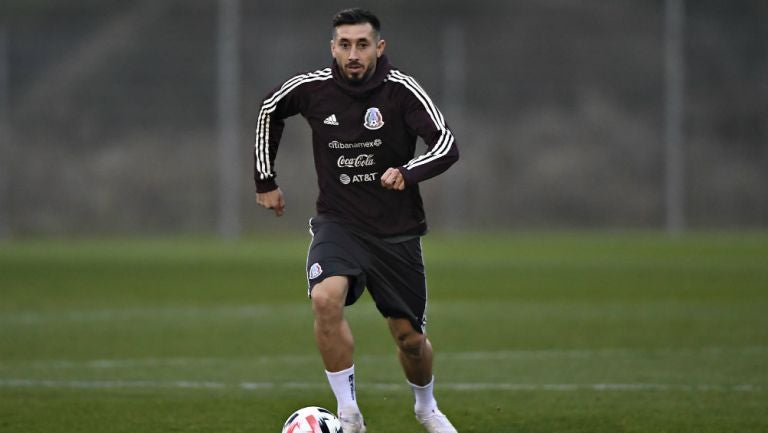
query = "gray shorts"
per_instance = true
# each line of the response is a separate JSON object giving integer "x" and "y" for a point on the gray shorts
{"x": 393, "y": 271}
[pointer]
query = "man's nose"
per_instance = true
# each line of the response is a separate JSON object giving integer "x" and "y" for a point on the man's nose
{"x": 353, "y": 53}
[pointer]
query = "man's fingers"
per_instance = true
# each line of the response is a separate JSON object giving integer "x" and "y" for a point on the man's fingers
{"x": 400, "y": 184}
{"x": 393, "y": 179}
{"x": 280, "y": 208}
{"x": 385, "y": 178}
{"x": 272, "y": 200}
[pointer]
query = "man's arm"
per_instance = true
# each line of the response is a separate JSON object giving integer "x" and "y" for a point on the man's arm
{"x": 284, "y": 101}
{"x": 422, "y": 116}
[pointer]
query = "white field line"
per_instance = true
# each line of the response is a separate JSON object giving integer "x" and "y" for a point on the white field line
{"x": 183, "y": 314}
{"x": 470, "y": 356}
{"x": 129, "y": 314}
{"x": 461, "y": 387}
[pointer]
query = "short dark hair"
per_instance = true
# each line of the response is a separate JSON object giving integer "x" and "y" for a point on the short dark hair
{"x": 356, "y": 16}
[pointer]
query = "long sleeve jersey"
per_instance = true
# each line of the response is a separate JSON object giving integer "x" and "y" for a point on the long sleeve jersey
{"x": 358, "y": 132}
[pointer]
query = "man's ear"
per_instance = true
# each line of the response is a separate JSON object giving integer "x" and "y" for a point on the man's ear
{"x": 380, "y": 47}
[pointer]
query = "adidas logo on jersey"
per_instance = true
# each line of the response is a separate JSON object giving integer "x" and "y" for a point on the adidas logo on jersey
{"x": 331, "y": 120}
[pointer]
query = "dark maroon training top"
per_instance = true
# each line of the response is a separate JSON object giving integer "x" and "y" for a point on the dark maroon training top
{"x": 358, "y": 131}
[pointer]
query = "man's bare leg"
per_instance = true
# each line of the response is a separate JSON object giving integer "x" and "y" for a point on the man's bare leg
{"x": 332, "y": 333}
{"x": 336, "y": 345}
{"x": 415, "y": 353}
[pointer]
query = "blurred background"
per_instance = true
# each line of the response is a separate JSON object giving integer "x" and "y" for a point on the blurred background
{"x": 137, "y": 117}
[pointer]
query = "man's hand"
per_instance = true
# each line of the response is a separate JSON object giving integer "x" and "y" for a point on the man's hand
{"x": 272, "y": 200}
{"x": 393, "y": 179}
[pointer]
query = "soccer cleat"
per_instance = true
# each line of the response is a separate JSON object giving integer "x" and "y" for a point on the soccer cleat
{"x": 352, "y": 423}
{"x": 436, "y": 422}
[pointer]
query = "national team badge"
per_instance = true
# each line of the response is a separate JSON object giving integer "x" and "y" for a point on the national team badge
{"x": 373, "y": 119}
{"x": 314, "y": 271}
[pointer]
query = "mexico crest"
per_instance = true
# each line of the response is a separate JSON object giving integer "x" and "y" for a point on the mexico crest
{"x": 314, "y": 271}
{"x": 373, "y": 119}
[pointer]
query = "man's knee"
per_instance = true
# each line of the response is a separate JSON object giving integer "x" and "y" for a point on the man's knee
{"x": 409, "y": 341}
{"x": 328, "y": 296}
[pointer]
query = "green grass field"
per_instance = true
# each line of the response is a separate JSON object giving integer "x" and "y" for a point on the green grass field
{"x": 533, "y": 333}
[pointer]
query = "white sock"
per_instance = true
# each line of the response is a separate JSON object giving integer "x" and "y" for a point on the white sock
{"x": 425, "y": 399}
{"x": 343, "y": 386}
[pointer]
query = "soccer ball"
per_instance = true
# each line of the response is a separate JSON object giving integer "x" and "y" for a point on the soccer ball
{"x": 312, "y": 419}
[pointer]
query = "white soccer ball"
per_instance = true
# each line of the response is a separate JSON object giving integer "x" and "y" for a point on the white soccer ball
{"x": 312, "y": 419}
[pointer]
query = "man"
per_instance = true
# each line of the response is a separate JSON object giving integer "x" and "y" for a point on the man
{"x": 365, "y": 117}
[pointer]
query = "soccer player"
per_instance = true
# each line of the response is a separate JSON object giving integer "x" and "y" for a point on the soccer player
{"x": 365, "y": 117}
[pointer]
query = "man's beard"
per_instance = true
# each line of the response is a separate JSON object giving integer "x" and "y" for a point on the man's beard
{"x": 358, "y": 79}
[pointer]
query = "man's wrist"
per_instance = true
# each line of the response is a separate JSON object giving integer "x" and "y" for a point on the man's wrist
{"x": 267, "y": 185}
{"x": 406, "y": 175}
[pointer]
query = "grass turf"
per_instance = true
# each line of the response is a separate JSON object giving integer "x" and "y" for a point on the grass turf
{"x": 532, "y": 332}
